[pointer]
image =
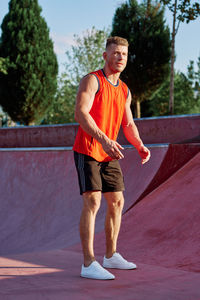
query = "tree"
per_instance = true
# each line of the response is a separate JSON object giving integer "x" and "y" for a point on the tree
{"x": 149, "y": 47}
{"x": 86, "y": 54}
{"x": 194, "y": 77}
{"x": 182, "y": 11}
{"x": 62, "y": 109}
{"x": 185, "y": 100}
{"x": 28, "y": 88}
{"x": 3, "y": 65}
{"x": 82, "y": 58}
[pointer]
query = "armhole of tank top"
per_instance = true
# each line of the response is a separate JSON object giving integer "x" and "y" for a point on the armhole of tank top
{"x": 128, "y": 93}
{"x": 97, "y": 81}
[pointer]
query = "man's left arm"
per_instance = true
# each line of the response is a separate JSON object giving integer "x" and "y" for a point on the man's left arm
{"x": 131, "y": 132}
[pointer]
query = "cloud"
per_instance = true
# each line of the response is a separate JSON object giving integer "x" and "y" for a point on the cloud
{"x": 62, "y": 42}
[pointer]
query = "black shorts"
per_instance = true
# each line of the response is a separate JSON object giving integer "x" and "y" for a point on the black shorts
{"x": 98, "y": 176}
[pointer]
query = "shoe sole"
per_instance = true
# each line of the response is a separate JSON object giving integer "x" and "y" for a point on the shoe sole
{"x": 109, "y": 267}
{"x": 88, "y": 277}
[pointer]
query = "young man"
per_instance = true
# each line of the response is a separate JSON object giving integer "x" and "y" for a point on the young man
{"x": 103, "y": 104}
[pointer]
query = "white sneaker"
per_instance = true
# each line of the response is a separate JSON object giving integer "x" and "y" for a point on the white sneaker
{"x": 96, "y": 271}
{"x": 118, "y": 262}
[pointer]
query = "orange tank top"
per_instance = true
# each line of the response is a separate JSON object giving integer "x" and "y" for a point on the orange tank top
{"x": 107, "y": 111}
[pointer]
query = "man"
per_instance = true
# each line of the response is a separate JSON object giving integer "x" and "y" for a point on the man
{"x": 103, "y": 104}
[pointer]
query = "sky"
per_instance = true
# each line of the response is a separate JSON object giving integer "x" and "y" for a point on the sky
{"x": 68, "y": 17}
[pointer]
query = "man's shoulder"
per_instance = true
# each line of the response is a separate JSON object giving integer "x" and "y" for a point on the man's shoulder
{"x": 94, "y": 74}
{"x": 89, "y": 81}
{"x": 97, "y": 73}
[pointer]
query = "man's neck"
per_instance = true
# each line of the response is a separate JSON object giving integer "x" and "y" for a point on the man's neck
{"x": 112, "y": 77}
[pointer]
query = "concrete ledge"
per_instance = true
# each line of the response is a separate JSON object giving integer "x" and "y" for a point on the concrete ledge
{"x": 38, "y": 136}
{"x": 174, "y": 129}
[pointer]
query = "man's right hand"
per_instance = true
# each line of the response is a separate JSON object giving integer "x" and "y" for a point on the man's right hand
{"x": 112, "y": 148}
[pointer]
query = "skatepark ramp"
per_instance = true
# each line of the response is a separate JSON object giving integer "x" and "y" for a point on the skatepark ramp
{"x": 40, "y": 205}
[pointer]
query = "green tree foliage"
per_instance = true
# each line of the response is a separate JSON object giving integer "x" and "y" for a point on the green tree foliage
{"x": 62, "y": 109}
{"x": 185, "y": 100}
{"x": 26, "y": 92}
{"x": 194, "y": 76}
{"x": 86, "y": 54}
{"x": 182, "y": 10}
{"x": 83, "y": 57}
{"x": 149, "y": 47}
{"x": 3, "y": 65}
{"x": 186, "y": 10}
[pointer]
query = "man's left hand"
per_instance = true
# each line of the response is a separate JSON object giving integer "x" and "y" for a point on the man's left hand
{"x": 144, "y": 153}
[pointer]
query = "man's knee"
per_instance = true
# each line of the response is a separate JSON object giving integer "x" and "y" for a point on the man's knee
{"x": 115, "y": 201}
{"x": 116, "y": 206}
{"x": 92, "y": 201}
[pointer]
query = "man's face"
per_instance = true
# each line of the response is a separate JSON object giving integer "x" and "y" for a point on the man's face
{"x": 116, "y": 57}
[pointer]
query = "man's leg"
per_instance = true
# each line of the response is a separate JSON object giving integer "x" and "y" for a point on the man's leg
{"x": 91, "y": 204}
{"x": 112, "y": 259}
{"x": 115, "y": 203}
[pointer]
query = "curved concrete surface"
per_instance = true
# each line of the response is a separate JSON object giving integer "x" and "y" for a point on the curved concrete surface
{"x": 39, "y": 215}
{"x": 137, "y": 177}
{"x": 175, "y": 157}
{"x": 40, "y": 201}
{"x": 163, "y": 228}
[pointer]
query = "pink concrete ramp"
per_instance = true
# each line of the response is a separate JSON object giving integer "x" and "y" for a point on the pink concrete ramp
{"x": 39, "y": 214}
{"x": 165, "y": 161}
{"x": 156, "y": 130}
{"x": 40, "y": 201}
{"x": 163, "y": 228}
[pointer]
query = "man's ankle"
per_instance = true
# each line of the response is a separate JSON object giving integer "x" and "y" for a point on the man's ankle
{"x": 87, "y": 262}
{"x": 109, "y": 254}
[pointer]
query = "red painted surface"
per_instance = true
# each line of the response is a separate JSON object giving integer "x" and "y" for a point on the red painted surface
{"x": 177, "y": 129}
{"x": 168, "y": 129}
{"x": 176, "y": 156}
{"x": 163, "y": 228}
{"x": 40, "y": 196}
{"x": 39, "y": 202}
{"x": 40, "y": 254}
{"x": 38, "y": 136}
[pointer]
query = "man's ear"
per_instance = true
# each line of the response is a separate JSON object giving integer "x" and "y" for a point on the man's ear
{"x": 104, "y": 55}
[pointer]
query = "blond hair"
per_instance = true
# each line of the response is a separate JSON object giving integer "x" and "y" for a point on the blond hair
{"x": 117, "y": 41}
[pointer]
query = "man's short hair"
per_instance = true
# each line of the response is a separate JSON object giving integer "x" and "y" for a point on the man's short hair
{"x": 117, "y": 41}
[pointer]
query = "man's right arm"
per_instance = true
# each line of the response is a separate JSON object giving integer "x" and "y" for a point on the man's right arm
{"x": 84, "y": 101}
